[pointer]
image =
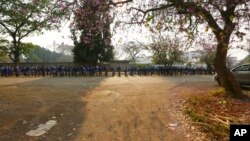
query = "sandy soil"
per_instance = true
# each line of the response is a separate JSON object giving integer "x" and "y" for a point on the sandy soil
{"x": 98, "y": 108}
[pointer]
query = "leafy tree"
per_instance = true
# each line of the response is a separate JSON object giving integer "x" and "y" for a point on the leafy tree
{"x": 92, "y": 55}
{"x": 222, "y": 17}
{"x": 39, "y": 54}
{"x": 208, "y": 53}
{"x": 133, "y": 51}
{"x": 4, "y": 44}
{"x": 166, "y": 51}
{"x": 6, "y": 48}
{"x": 20, "y": 18}
{"x": 208, "y": 57}
{"x": 3, "y": 54}
{"x": 3, "y": 57}
{"x": 91, "y": 32}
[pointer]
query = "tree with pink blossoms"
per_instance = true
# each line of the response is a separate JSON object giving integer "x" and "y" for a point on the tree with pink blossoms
{"x": 223, "y": 18}
{"x": 91, "y": 32}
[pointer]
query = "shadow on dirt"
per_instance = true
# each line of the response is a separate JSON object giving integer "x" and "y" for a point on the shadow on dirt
{"x": 26, "y": 105}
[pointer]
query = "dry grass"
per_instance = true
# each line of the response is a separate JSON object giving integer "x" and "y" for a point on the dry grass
{"x": 213, "y": 113}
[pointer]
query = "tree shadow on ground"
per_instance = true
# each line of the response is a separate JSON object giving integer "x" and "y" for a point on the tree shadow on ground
{"x": 26, "y": 105}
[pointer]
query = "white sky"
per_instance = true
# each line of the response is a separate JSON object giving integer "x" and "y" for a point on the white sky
{"x": 47, "y": 39}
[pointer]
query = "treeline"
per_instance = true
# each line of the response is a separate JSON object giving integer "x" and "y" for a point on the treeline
{"x": 40, "y": 54}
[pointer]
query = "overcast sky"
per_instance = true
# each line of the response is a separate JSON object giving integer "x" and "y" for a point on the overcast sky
{"x": 48, "y": 38}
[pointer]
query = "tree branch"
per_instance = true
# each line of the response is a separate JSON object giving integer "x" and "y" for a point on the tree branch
{"x": 185, "y": 8}
{"x": 6, "y": 27}
{"x": 153, "y": 9}
{"x": 120, "y": 2}
{"x": 23, "y": 23}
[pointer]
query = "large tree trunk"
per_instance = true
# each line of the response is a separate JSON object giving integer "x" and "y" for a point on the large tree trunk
{"x": 227, "y": 80}
{"x": 16, "y": 57}
{"x": 16, "y": 51}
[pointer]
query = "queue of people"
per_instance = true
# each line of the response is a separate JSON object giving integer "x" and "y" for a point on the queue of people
{"x": 69, "y": 71}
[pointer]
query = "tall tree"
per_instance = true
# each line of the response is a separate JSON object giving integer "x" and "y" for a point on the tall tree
{"x": 222, "y": 17}
{"x": 92, "y": 23}
{"x": 133, "y": 51}
{"x": 20, "y": 18}
{"x": 208, "y": 53}
{"x": 166, "y": 51}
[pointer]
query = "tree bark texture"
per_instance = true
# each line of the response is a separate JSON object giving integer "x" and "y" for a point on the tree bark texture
{"x": 226, "y": 78}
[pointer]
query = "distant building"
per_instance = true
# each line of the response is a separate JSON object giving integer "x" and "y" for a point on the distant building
{"x": 193, "y": 57}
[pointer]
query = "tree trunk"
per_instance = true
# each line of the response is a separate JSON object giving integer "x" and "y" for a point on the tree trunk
{"x": 16, "y": 57}
{"x": 16, "y": 51}
{"x": 226, "y": 78}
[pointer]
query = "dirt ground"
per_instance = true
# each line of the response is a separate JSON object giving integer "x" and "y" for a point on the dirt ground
{"x": 98, "y": 108}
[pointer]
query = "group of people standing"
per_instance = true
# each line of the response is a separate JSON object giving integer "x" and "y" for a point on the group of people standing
{"x": 69, "y": 71}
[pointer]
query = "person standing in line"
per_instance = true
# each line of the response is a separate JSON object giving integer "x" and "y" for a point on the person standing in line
{"x": 5, "y": 71}
{"x": 119, "y": 70}
{"x": 126, "y": 71}
{"x": 100, "y": 70}
{"x": 132, "y": 71}
{"x": 113, "y": 71}
{"x": 105, "y": 70}
{"x": 43, "y": 70}
{"x": 17, "y": 71}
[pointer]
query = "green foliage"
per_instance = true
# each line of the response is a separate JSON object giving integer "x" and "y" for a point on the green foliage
{"x": 93, "y": 43}
{"x": 39, "y": 54}
{"x": 26, "y": 48}
{"x": 149, "y": 18}
{"x": 4, "y": 57}
{"x": 208, "y": 57}
{"x": 218, "y": 92}
{"x": 20, "y": 18}
{"x": 168, "y": 57}
{"x": 166, "y": 52}
{"x": 4, "y": 44}
{"x": 91, "y": 54}
{"x": 187, "y": 15}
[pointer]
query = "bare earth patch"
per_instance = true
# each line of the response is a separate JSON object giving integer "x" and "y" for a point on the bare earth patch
{"x": 100, "y": 108}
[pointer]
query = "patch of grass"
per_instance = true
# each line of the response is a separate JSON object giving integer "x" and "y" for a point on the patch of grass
{"x": 213, "y": 113}
{"x": 218, "y": 92}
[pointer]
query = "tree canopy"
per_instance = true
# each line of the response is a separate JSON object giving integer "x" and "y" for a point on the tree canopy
{"x": 20, "y": 18}
{"x": 133, "y": 50}
{"x": 91, "y": 32}
{"x": 39, "y": 54}
{"x": 166, "y": 51}
{"x": 223, "y": 18}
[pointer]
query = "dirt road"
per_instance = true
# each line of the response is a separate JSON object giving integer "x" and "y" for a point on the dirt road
{"x": 97, "y": 109}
